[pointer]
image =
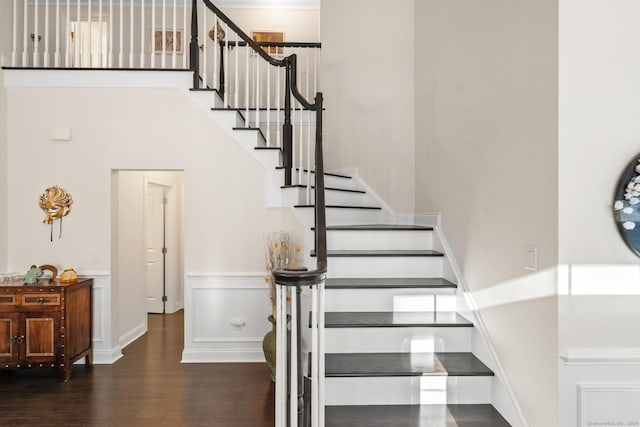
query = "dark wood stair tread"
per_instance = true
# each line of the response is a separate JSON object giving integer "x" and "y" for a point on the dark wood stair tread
{"x": 395, "y": 320}
{"x": 390, "y": 283}
{"x": 336, "y": 175}
{"x": 404, "y": 364}
{"x": 346, "y": 190}
{"x": 414, "y": 416}
{"x": 342, "y": 207}
{"x": 383, "y": 253}
{"x": 380, "y": 227}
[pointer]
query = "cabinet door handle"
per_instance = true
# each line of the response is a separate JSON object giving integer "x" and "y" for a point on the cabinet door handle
{"x": 40, "y": 300}
{"x": 18, "y": 339}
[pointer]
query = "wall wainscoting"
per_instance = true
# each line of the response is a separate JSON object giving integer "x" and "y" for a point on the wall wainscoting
{"x": 225, "y": 317}
{"x": 599, "y": 386}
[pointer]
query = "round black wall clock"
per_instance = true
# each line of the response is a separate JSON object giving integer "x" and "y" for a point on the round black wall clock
{"x": 626, "y": 205}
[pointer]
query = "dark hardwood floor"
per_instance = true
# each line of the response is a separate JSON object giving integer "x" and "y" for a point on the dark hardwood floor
{"x": 147, "y": 387}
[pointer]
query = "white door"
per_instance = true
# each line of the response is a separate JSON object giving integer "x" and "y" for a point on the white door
{"x": 155, "y": 220}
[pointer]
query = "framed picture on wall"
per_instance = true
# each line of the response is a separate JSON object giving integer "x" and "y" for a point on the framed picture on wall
{"x": 169, "y": 43}
{"x": 269, "y": 37}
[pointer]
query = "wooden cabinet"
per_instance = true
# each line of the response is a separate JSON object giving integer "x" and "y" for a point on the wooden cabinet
{"x": 46, "y": 325}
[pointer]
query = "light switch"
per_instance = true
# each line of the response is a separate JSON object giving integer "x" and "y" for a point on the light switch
{"x": 530, "y": 258}
{"x": 60, "y": 134}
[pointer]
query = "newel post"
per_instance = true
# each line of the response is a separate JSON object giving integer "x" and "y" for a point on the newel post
{"x": 194, "y": 52}
{"x": 287, "y": 129}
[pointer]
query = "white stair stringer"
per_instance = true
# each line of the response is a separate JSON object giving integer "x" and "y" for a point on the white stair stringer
{"x": 411, "y": 390}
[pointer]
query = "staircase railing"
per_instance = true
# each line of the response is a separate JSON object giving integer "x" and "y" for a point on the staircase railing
{"x": 290, "y": 397}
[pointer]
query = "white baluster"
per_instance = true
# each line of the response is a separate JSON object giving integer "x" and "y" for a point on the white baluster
{"x": 131, "y": 35}
{"x": 14, "y": 49}
{"x": 203, "y": 39}
{"x": 278, "y": 101}
{"x": 35, "y": 33}
{"x": 142, "y": 34}
{"x": 227, "y": 86}
{"x": 293, "y": 378}
{"x": 236, "y": 93}
{"x": 67, "y": 38}
{"x": 163, "y": 58}
{"x": 321, "y": 350}
{"x": 110, "y": 58}
{"x": 100, "y": 35}
{"x": 315, "y": 70}
{"x": 281, "y": 356}
{"x": 175, "y": 44}
{"x": 90, "y": 33}
{"x": 257, "y": 122}
{"x": 78, "y": 33}
{"x": 268, "y": 105}
{"x": 314, "y": 356}
{"x": 121, "y": 26}
{"x": 56, "y": 55}
{"x": 25, "y": 35}
{"x": 184, "y": 34}
{"x": 46, "y": 34}
{"x": 247, "y": 84}
{"x": 216, "y": 70}
{"x": 152, "y": 51}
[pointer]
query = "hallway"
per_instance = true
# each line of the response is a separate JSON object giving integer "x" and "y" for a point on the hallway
{"x": 147, "y": 387}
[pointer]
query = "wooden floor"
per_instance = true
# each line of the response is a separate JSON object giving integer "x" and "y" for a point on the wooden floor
{"x": 147, "y": 387}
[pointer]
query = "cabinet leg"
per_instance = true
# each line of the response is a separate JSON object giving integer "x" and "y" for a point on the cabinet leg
{"x": 89, "y": 359}
{"x": 67, "y": 371}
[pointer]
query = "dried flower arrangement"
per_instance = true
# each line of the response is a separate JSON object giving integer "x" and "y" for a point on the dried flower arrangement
{"x": 280, "y": 254}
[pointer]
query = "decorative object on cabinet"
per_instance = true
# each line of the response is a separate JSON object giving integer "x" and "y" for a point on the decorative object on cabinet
{"x": 55, "y": 202}
{"x": 626, "y": 205}
{"x": 36, "y": 273}
{"x": 46, "y": 327}
{"x": 69, "y": 275}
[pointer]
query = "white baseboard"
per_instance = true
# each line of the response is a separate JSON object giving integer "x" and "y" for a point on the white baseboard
{"x": 132, "y": 335}
{"x": 222, "y": 356}
{"x": 107, "y": 357}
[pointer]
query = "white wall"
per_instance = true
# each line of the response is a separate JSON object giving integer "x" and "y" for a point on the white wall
{"x": 298, "y": 25}
{"x": 367, "y": 75}
{"x": 225, "y": 219}
{"x": 486, "y": 158}
{"x": 5, "y": 49}
{"x": 3, "y": 175}
{"x": 599, "y": 134}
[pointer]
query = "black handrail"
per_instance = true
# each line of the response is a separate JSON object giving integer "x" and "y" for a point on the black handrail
{"x": 290, "y": 278}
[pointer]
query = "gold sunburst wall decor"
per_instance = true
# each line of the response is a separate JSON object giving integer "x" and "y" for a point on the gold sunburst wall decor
{"x": 56, "y": 203}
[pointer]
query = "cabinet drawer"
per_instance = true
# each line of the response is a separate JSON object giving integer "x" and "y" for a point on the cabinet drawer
{"x": 7, "y": 300}
{"x": 40, "y": 299}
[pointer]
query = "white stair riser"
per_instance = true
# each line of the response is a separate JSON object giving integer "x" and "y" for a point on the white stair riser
{"x": 390, "y": 300}
{"x": 298, "y": 195}
{"x": 408, "y": 390}
{"x": 375, "y": 240}
{"x": 338, "y": 216}
{"x": 398, "y": 340}
{"x": 408, "y": 267}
